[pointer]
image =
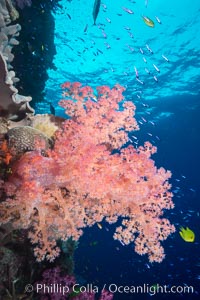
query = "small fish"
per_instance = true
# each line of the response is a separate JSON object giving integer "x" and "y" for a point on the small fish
{"x": 152, "y": 123}
{"x": 130, "y": 34}
{"x": 107, "y": 45}
{"x": 148, "y": 21}
{"x": 104, "y": 34}
{"x": 156, "y": 68}
{"x": 127, "y": 28}
{"x": 81, "y": 39}
{"x": 96, "y": 8}
{"x": 131, "y": 48}
{"x": 129, "y": 11}
{"x": 147, "y": 71}
{"x": 183, "y": 176}
{"x": 133, "y": 136}
{"x": 86, "y": 27}
{"x": 99, "y": 51}
{"x": 149, "y": 49}
{"x": 108, "y": 20}
{"x": 187, "y": 234}
{"x": 144, "y": 59}
{"x": 70, "y": 47}
{"x": 141, "y": 50}
{"x": 94, "y": 98}
{"x": 99, "y": 225}
{"x": 158, "y": 20}
{"x": 69, "y": 16}
{"x": 155, "y": 78}
{"x": 147, "y": 265}
{"x": 136, "y": 72}
{"x": 140, "y": 81}
{"x": 122, "y": 243}
{"x": 165, "y": 58}
{"x": 144, "y": 119}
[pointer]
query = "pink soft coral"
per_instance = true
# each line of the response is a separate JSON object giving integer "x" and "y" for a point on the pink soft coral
{"x": 82, "y": 181}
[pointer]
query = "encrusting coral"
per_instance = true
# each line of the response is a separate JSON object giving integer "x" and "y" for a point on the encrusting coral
{"x": 90, "y": 175}
{"x": 25, "y": 138}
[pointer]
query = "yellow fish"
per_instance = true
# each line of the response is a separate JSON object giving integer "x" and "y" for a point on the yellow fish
{"x": 187, "y": 234}
{"x": 148, "y": 21}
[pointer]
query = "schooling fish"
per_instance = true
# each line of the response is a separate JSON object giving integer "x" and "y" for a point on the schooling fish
{"x": 96, "y": 8}
{"x": 158, "y": 20}
{"x": 156, "y": 68}
{"x": 129, "y": 11}
{"x": 136, "y": 72}
{"x": 165, "y": 58}
{"x": 149, "y": 49}
{"x": 86, "y": 27}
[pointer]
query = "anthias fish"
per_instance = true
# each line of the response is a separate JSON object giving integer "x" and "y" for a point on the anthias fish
{"x": 96, "y": 8}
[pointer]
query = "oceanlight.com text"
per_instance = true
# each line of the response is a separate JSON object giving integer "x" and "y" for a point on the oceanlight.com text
{"x": 149, "y": 289}
{"x": 59, "y": 289}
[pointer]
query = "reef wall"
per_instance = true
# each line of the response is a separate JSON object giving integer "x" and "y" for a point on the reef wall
{"x": 12, "y": 105}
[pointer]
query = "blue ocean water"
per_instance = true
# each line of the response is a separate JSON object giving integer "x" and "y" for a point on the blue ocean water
{"x": 107, "y": 53}
{"x": 159, "y": 67}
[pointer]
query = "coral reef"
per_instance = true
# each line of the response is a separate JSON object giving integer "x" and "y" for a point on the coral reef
{"x": 88, "y": 176}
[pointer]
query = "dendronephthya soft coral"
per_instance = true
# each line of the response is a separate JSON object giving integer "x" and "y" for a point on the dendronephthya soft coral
{"x": 88, "y": 176}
